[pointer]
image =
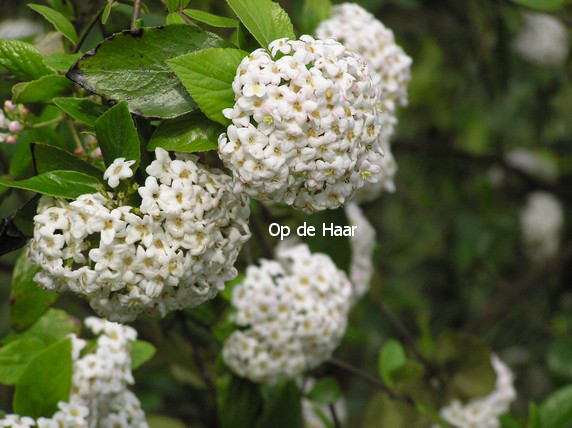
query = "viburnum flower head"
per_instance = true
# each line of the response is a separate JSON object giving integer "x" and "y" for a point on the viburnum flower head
{"x": 306, "y": 124}
{"x": 484, "y": 411}
{"x": 176, "y": 250}
{"x": 291, "y": 314}
{"x": 99, "y": 397}
{"x": 120, "y": 169}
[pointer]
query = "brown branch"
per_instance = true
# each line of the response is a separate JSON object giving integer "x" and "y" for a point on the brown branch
{"x": 334, "y": 414}
{"x": 88, "y": 29}
{"x": 136, "y": 13}
{"x": 514, "y": 293}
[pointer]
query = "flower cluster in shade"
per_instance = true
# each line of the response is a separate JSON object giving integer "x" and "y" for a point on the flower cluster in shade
{"x": 306, "y": 124}
{"x": 362, "y": 244}
{"x": 543, "y": 40}
{"x": 291, "y": 314}
{"x": 542, "y": 220}
{"x": 176, "y": 249}
{"x": 99, "y": 396}
{"x": 361, "y": 32}
{"x": 484, "y": 412}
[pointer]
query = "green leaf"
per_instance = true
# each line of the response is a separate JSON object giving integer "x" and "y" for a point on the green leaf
{"x": 42, "y": 90}
{"x": 24, "y": 217}
{"x": 546, "y": 5}
{"x": 62, "y": 24}
{"x": 53, "y": 326}
{"x": 28, "y": 301}
{"x": 117, "y": 135}
{"x": 314, "y": 12}
{"x": 559, "y": 359}
{"x": 208, "y": 76}
{"x": 106, "y": 13}
{"x": 241, "y": 402}
{"x": 189, "y": 133}
{"x": 173, "y": 18}
{"x": 469, "y": 361}
{"x": 142, "y": 77}
{"x": 265, "y": 20}
{"x": 326, "y": 390}
{"x": 15, "y": 356}
{"x": 45, "y": 382}
{"x": 391, "y": 357}
{"x": 141, "y": 352}
{"x": 61, "y": 61}
{"x": 284, "y": 408}
{"x": 22, "y": 60}
{"x": 160, "y": 421}
{"x": 383, "y": 412}
{"x": 534, "y": 420}
{"x": 210, "y": 19}
{"x": 556, "y": 410}
{"x": 81, "y": 109}
{"x": 61, "y": 184}
{"x": 172, "y": 5}
{"x": 49, "y": 158}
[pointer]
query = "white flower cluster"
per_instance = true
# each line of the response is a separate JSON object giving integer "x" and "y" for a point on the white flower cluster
{"x": 305, "y": 126}
{"x": 176, "y": 250}
{"x": 543, "y": 40}
{"x": 542, "y": 219}
{"x": 291, "y": 314}
{"x": 359, "y": 31}
{"x": 99, "y": 396}
{"x": 362, "y": 244}
{"x": 533, "y": 164}
{"x": 484, "y": 412}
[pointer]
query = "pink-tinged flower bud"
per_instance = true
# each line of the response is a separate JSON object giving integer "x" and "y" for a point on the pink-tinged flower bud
{"x": 78, "y": 151}
{"x": 8, "y": 105}
{"x": 97, "y": 153}
{"x": 11, "y": 140}
{"x": 25, "y": 111}
{"x": 15, "y": 126}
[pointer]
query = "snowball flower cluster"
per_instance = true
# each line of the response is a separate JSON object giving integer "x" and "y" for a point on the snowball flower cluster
{"x": 99, "y": 396}
{"x": 176, "y": 250}
{"x": 306, "y": 124}
{"x": 362, "y": 244}
{"x": 484, "y": 412}
{"x": 291, "y": 314}
{"x": 359, "y": 31}
{"x": 543, "y": 40}
{"x": 541, "y": 220}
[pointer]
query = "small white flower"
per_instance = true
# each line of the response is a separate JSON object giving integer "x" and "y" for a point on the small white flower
{"x": 120, "y": 169}
{"x": 543, "y": 40}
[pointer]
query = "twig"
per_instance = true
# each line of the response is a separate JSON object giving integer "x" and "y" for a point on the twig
{"x": 515, "y": 293}
{"x": 335, "y": 418}
{"x": 259, "y": 233}
{"x": 136, "y": 13}
{"x": 46, "y": 123}
{"x": 88, "y": 29}
{"x": 75, "y": 135}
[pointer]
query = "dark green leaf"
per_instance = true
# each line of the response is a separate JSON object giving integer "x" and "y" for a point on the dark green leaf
{"x": 28, "y": 301}
{"x": 42, "y": 90}
{"x": 24, "y": 217}
{"x": 265, "y": 20}
{"x": 15, "y": 356}
{"x": 61, "y": 61}
{"x": 189, "y": 133}
{"x": 141, "y": 352}
{"x": 61, "y": 184}
{"x": 208, "y": 76}
{"x": 22, "y": 60}
{"x": 556, "y": 410}
{"x": 81, "y": 109}
{"x": 11, "y": 238}
{"x": 391, "y": 357}
{"x": 325, "y": 391}
{"x": 284, "y": 409}
{"x": 53, "y": 326}
{"x": 314, "y": 12}
{"x": 546, "y": 5}
{"x": 160, "y": 421}
{"x": 210, "y": 19}
{"x": 62, "y": 24}
{"x": 383, "y": 412}
{"x": 45, "y": 382}
{"x": 117, "y": 135}
{"x": 559, "y": 359}
{"x": 49, "y": 158}
{"x": 141, "y": 77}
{"x": 241, "y": 403}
